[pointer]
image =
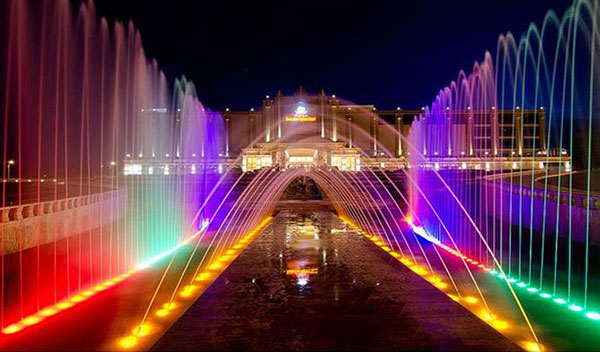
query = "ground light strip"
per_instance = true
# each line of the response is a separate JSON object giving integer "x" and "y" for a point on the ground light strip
{"x": 470, "y": 301}
{"x": 79, "y": 297}
{"x": 519, "y": 284}
{"x": 192, "y": 291}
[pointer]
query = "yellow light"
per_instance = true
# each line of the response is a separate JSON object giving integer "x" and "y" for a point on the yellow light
{"x": 224, "y": 258}
{"x": 230, "y": 252}
{"x": 162, "y": 313}
{"x": 48, "y": 312}
{"x": 386, "y": 248}
{"x": 471, "y": 300}
{"x": 128, "y": 342}
{"x": 143, "y": 330}
{"x": 188, "y": 290}
{"x": 395, "y": 255}
{"x": 500, "y": 325}
{"x": 419, "y": 270}
{"x": 532, "y": 346}
{"x": 203, "y": 276}
{"x": 441, "y": 285}
{"x": 64, "y": 305}
{"x": 87, "y": 293}
{"x": 77, "y": 298}
{"x": 99, "y": 287}
{"x": 305, "y": 271}
{"x": 170, "y": 305}
{"x": 238, "y": 246}
{"x": 11, "y": 329}
{"x": 487, "y": 316}
{"x": 215, "y": 266}
{"x": 31, "y": 320}
{"x": 454, "y": 298}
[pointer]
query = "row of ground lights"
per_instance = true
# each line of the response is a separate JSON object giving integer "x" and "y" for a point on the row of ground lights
{"x": 522, "y": 285}
{"x": 79, "y": 297}
{"x": 192, "y": 291}
{"x": 471, "y": 301}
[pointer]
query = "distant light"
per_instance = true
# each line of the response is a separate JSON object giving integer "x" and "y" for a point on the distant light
{"x": 532, "y": 346}
{"x": 251, "y": 109}
{"x": 471, "y": 299}
{"x": 333, "y": 95}
{"x": 48, "y": 312}
{"x": 31, "y": 320}
{"x": 575, "y": 308}
{"x": 593, "y": 315}
{"x": 11, "y": 162}
{"x": 226, "y": 109}
{"x": 560, "y": 301}
{"x": 162, "y": 313}
{"x": 128, "y": 342}
{"x": 545, "y": 295}
{"x": 267, "y": 97}
{"x": 11, "y": 329}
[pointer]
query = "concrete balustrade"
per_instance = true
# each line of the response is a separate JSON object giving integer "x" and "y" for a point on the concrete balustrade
{"x": 520, "y": 204}
{"x": 28, "y": 225}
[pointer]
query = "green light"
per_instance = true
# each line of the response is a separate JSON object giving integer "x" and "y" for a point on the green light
{"x": 545, "y": 295}
{"x": 493, "y": 272}
{"x": 560, "y": 301}
{"x": 532, "y": 290}
{"x": 511, "y": 280}
{"x": 521, "y": 284}
{"x": 593, "y": 315}
{"x": 575, "y": 308}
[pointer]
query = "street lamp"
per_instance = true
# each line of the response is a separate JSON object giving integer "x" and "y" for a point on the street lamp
{"x": 10, "y": 162}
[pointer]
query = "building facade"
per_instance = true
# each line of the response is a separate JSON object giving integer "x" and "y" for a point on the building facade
{"x": 319, "y": 129}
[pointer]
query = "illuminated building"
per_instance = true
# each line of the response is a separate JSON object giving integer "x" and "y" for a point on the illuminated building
{"x": 323, "y": 130}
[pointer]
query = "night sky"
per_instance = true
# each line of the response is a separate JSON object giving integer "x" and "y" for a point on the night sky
{"x": 388, "y": 53}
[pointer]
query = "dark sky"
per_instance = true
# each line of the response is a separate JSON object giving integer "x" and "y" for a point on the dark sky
{"x": 389, "y": 53}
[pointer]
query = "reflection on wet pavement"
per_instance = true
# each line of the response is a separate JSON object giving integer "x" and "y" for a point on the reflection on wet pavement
{"x": 310, "y": 283}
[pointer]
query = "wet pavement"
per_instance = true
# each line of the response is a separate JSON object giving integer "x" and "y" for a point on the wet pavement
{"x": 311, "y": 283}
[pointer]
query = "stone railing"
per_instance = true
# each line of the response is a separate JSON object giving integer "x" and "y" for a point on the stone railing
{"x": 27, "y": 225}
{"x": 544, "y": 209}
{"x": 554, "y": 194}
{"x": 25, "y": 211}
